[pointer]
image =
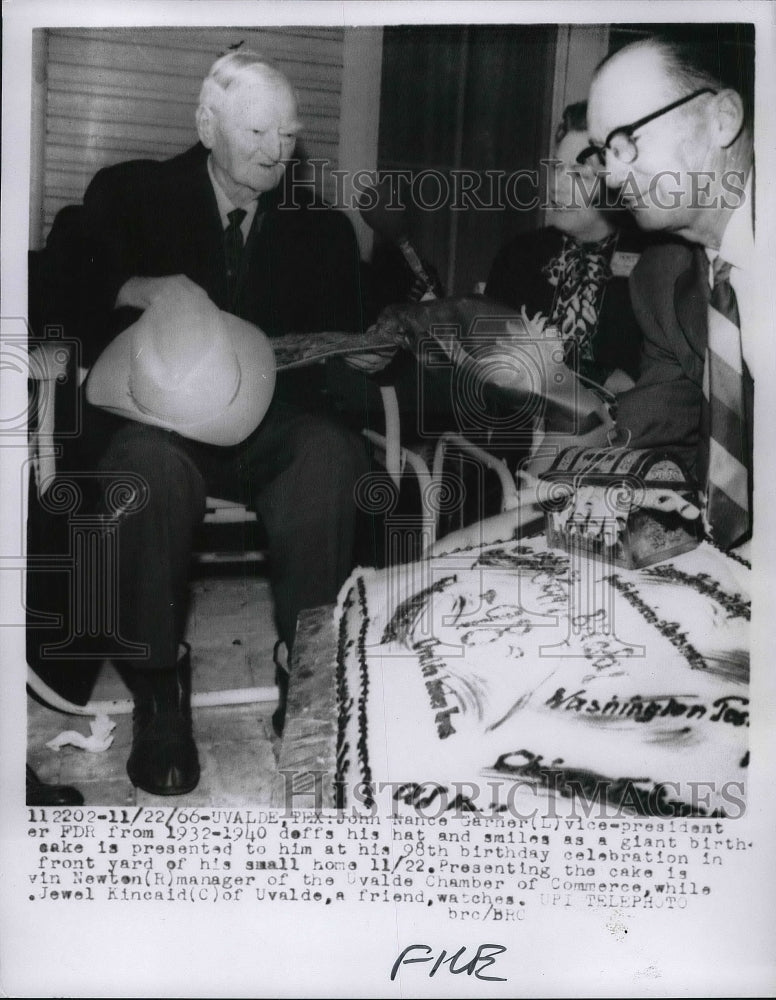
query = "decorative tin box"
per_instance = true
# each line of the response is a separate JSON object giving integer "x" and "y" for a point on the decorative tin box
{"x": 619, "y": 479}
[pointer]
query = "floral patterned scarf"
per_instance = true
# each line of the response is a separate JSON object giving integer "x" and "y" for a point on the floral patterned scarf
{"x": 579, "y": 275}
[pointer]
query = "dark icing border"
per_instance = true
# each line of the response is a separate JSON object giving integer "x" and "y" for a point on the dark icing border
{"x": 363, "y": 697}
{"x": 344, "y": 705}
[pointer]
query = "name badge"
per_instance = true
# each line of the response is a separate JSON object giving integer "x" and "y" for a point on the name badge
{"x": 623, "y": 263}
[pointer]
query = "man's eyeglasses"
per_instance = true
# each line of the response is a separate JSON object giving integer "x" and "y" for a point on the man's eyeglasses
{"x": 620, "y": 141}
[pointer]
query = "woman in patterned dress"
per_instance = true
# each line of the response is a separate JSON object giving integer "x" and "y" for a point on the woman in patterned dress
{"x": 574, "y": 272}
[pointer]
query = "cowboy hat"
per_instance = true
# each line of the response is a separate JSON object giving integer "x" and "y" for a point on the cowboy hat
{"x": 188, "y": 367}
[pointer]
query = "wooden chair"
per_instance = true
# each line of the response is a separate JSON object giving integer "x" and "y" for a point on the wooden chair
{"x": 48, "y": 366}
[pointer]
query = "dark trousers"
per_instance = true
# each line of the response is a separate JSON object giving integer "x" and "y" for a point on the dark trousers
{"x": 298, "y": 471}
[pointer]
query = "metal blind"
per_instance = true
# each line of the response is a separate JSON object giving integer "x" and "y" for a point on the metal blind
{"x": 123, "y": 93}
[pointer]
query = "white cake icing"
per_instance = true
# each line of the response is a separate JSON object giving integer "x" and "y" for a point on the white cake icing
{"x": 515, "y": 663}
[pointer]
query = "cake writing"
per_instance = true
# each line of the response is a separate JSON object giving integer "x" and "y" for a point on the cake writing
{"x": 633, "y": 795}
{"x": 734, "y": 604}
{"x": 429, "y": 663}
{"x": 522, "y": 556}
{"x": 670, "y": 630}
{"x": 729, "y": 708}
{"x": 405, "y": 615}
{"x": 429, "y": 666}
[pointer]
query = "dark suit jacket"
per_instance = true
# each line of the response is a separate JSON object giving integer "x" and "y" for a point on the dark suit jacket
{"x": 301, "y": 267}
{"x": 516, "y": 279}
{"x": 670, "y": 294}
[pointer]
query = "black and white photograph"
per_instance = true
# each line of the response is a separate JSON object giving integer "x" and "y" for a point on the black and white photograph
{"x": 382, "y": 614}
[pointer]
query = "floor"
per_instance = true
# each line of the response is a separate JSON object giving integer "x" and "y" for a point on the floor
{"x": 232, "y": 638}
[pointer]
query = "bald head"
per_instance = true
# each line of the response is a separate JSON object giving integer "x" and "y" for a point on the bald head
{"x": 676, "y": 169}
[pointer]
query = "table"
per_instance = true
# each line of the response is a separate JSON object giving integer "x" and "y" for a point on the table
{"x": 307, "y": 762}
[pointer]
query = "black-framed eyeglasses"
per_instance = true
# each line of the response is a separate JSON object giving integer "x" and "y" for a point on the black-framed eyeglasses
{"x": 620, "y": 141}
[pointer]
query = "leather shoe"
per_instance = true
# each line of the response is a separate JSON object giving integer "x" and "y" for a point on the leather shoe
{"x": 41, "y": 794}
{"x": 164, "y": 757}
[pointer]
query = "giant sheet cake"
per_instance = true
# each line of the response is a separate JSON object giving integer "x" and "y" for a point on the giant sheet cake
{"x": 514, "y": 664}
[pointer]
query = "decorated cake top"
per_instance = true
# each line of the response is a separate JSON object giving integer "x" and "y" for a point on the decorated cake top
{"x": 515, "y": 663}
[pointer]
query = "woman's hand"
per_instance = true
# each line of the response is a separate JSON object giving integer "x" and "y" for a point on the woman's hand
{"x": 531, "y": 361}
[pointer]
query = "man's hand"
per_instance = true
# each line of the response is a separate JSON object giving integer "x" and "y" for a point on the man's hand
{"x": 598, "y": 512}
{"x": 669, "y": 500}
{"x": 407, "y": 322}
{"x": 140, "y": 293}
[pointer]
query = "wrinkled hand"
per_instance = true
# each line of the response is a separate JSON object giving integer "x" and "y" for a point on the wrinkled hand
{"x": 140, "y": 293}
{"x": 408, "y": 318}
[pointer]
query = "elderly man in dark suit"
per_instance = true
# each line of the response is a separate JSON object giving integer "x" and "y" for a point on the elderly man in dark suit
{"x": 219, "y": 217}
{"x": 679, "y": 146}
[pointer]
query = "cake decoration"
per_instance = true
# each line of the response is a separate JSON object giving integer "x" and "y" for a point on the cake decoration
{"x": 515, "y": 664}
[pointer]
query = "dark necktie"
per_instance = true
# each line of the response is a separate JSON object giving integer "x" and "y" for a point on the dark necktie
{"x": 233, "y": 248}
{"x": 723, "y": 431}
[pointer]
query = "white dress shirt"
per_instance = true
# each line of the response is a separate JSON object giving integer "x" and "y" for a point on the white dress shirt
{"x": 225, "y": 205}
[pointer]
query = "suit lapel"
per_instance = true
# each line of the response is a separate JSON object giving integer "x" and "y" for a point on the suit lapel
{"x": 691, "y": 298}
{"x": 203, "y": 232}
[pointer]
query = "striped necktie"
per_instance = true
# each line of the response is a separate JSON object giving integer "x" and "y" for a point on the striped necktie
{"x": 723, "y": 417}
{"x": 233, "y": 248}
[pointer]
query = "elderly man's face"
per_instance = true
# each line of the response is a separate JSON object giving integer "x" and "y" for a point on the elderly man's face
{"x": 675, "y": 152}
{"x": 252, "y": 136}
